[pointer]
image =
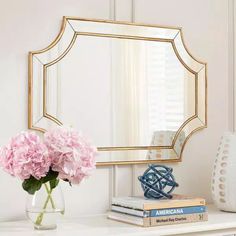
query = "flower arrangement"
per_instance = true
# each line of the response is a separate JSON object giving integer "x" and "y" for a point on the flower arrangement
{"x": 63, "y": 154}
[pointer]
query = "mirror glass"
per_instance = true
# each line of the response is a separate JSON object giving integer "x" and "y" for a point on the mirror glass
{"x": 133, "y": 90}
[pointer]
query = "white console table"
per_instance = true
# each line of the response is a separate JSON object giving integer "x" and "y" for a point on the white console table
{"x": 219, "y": 223}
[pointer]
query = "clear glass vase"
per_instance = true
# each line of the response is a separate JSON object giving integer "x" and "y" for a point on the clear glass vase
{"x": 45, "y": 207}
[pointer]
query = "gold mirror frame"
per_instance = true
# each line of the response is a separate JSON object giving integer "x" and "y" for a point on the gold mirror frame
{"x": 177, "y": 42}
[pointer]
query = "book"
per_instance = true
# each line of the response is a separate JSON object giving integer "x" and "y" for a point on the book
{"x": 177, "y": 211}
{"x": 158, "y": 221}
{"x": 159, "y": 212}
{"x": 178, "y": 219}
{"x": 149, "y": 204}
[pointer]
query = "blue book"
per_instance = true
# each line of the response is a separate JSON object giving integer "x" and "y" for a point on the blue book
{"x": 177, "y": 211}
{"x": 159, "y": 212}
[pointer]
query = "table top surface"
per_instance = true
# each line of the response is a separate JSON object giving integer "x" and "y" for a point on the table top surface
{"x": 100, "y": 225}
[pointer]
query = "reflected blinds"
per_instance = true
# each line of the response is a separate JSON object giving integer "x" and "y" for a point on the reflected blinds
{"x": 165, "y": 88}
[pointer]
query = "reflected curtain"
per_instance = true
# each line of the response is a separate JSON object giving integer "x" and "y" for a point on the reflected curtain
{"x": 129, "y": 94}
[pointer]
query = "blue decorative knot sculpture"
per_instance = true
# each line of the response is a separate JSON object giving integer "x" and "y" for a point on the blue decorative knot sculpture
{"x": 158, "y": 182}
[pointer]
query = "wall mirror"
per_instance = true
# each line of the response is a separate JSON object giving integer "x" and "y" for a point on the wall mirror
{"x": 133, "y": 89}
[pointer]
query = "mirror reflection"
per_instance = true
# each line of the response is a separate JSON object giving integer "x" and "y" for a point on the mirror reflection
{"x": 134, "y": 90}
{"x": 121, "y": 92}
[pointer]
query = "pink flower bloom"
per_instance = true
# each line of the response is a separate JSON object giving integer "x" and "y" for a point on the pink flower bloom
{"x": 71, "y": 155}
{"x": 24, "y": 156}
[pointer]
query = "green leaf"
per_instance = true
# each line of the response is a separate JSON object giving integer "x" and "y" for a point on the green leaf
{"x": 66, "y": 180}
{"x": 51, "y": 175}
{"x": 31, "y": 185}
{"x": 53, "y": 183}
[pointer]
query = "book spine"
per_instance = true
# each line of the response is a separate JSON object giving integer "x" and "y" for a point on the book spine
{"x": 177, "y": 211}
{"x": 175, "y": 204}
{"x": 178, "y": 219}
{"x": 159, "y": 212}
{"x": 158, "y": 221}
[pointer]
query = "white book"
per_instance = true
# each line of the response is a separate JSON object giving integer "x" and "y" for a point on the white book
{"x": 130, "y": 211}
{"x": 134, "y": 220}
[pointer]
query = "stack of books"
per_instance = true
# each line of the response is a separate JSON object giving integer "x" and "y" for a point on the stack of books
{"x": 146, "y": 212}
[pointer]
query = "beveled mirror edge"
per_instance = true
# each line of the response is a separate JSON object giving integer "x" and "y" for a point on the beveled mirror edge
{"x": 57, "y": 39}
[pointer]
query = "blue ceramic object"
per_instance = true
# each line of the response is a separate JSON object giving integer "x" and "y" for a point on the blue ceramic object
{"x": 158, "y": 182}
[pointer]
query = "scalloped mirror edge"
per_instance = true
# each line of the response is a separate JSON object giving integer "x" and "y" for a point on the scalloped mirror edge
{"x": 177, "y": 43}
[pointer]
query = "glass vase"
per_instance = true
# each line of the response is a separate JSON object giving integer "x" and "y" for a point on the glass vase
{"x": 45, "y": 207}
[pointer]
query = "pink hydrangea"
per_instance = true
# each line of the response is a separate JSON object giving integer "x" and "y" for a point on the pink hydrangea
{"x": 71, "y": 154}
{"x": 24, "y": 156}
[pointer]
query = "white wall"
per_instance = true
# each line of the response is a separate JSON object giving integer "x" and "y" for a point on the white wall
{"x": 29, "y": 25}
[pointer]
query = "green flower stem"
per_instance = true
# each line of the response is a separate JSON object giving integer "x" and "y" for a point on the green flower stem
{"x": 40, "y": 216}
{"x": 49, "y": 191}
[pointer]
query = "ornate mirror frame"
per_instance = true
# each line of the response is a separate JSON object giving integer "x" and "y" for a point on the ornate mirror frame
{"x": 196, "y": 122}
